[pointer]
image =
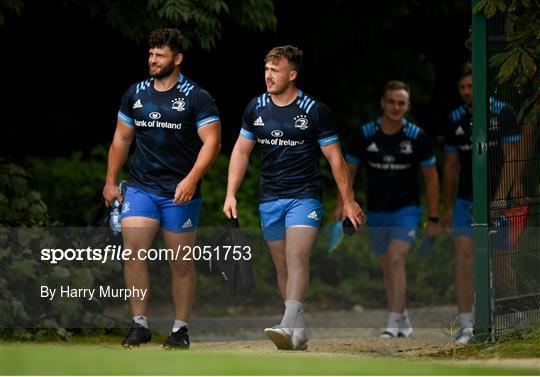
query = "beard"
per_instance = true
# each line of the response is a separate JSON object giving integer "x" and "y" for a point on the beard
{"x": 163, "y": 72}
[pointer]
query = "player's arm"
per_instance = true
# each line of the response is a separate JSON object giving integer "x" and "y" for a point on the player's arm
{"x": 338, "y": 211}
{"x": 451, "y": 162}
{"x": 525, "y": 152}
{"x": 210, "y": 135}
{"x": 351, "y": 209}
{"x": 432, "y": 194}
{"x": 510, "y": 147}
{"x": 118, "y": 153}
{"x": 509, "y": 175}
{"x": 237, "y": 170}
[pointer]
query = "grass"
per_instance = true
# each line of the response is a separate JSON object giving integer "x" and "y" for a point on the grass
{"x": 527, "y": 346}
{"x": 107, "y": 359}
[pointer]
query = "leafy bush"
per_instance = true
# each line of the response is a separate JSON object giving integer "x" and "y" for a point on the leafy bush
{"x": 25, "y": 227}
{"x": 72, "y": 186}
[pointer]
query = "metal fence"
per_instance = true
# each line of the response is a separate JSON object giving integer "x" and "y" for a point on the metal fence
{"x": 506, "y": 163}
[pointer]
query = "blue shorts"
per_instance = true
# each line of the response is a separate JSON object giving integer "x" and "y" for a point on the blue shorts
{"x": 385, "y": 227}
{"x": 177, "y": 218}
{"x": 462, "y": 219}
{"x": 277, "y": 215}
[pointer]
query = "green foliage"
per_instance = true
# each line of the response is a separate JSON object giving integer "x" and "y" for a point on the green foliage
{"x": 199, "y": 20}
{"x": 10, "y": 6}
{"x": 71, "y": 187}
{"x": 214, "y": 188}
{"x": 522, "y": 51}
{"x": 25, "y": 230}
{"x": 18, "y": 203}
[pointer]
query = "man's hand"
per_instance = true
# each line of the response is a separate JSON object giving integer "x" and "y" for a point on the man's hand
{"x": 353, "y": 211}
{"x": 111, "y": 192}
{"x": 229, "y": 207}
{"x": 446, "y": 221}
{"x": 185, "y": 190}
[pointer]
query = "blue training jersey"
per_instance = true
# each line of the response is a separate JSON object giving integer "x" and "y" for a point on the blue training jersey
{"x": 166, "y": 140}
{"x": 289, "y": 138}
{"x": 392, "y": 163}
{"x": 503, "y": 129}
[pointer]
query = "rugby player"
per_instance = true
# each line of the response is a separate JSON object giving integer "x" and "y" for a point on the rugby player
{"x": 176, "y": 127}
{"x": 393, "y": 150}
{"x": 289, "y": 127}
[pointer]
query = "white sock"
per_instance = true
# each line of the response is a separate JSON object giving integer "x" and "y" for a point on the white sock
{"x": 405, "y": 327}
{"x": 300, "y": 331}
{"x": 393, "y": 323}
{"x": 178, "y": 324}
{"x": 405, "y": 320}
{"x": 291, "y": 313}
{"x": 141, "y": 320}
{"x": 465, "y": 319}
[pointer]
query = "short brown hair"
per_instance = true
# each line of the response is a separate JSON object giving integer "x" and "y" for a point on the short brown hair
{"x": 169, "y": 37}
{"x": 396, "y": 85}
{"x": 291, "y": 53}
{"x": 465, "y": 70}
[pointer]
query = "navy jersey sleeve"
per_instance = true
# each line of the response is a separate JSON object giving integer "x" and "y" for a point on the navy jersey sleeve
{"x": 125, "y": 113}
{"x": 425, "y": 151}
{"x": 205, "y": 109}
{"x": 355, "y": 148}
{"x": 325, "y": 126}
{"x": 510, "y": 130}
{"x": 450, "y": 140}
{"x": 247, "y": 130}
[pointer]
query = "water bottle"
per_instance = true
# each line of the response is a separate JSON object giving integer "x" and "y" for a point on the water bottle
{"x": 114, "y": 218}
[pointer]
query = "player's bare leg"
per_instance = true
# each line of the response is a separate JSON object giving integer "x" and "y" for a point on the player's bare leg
{"x": 182, "y": 272}
{"x": 277, "y": 250}
{"x": 291, "y": 333}
{"x": 138, "y": 233}
{"x": 464, "y": 274}
{"x": 394, "y": 270}
{"x": 182, "y": 286}
{"x": 387, "y": 278}
{"x": 464, "y": 288}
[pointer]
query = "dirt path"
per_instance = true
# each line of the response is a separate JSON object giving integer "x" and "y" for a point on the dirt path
{"x": 351, "y": 332}
{"x": 343, "y": 346}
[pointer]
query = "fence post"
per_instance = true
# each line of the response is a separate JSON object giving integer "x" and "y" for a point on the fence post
{"x": 482, "y": 286}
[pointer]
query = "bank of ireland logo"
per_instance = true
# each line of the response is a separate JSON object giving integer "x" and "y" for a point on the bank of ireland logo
{"x": 277, "y": 133}
{"x": 154, "y": 115}
{"x": 301, "y": 122}
{"x": 405, "y": 147}
{"x": 125, "y": 207}
{"x": 178, "y": 104}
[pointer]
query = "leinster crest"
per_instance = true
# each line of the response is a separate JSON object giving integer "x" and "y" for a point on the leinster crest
{"x": 178, "y": 104}
{"x": 405, "y": 147}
